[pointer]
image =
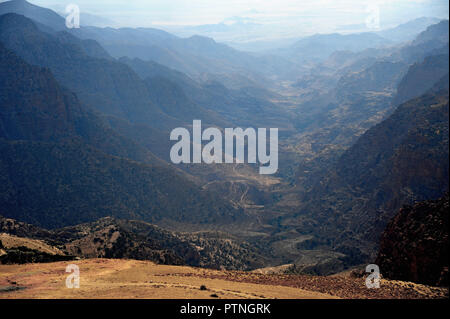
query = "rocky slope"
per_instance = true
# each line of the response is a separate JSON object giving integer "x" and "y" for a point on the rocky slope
{"x": 19, "y": 250}
{"x": 421, "y": 77}
{"x": 401, "y": 160}
{"x": 128, "y": 239}
{"x": 414, "y": 246}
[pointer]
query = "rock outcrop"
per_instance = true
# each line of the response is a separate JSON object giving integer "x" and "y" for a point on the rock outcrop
{"x": 414, "y": 246}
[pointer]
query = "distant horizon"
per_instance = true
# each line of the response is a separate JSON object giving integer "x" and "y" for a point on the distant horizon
{"x": 260, "y": 19}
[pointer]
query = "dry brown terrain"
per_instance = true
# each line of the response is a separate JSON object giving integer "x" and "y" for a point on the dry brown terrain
{"x": 108, "y": 278}
{"x": 11, "y": 241}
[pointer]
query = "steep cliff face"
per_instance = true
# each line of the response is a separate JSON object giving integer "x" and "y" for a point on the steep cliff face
{"x": 421, "y": 77}
{"x": 414, "y": 246}
{"x": 434, "y": 38}
{"x": 401, "y": 160}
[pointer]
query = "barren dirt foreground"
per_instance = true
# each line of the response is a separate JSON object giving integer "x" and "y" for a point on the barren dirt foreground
{"x": 108, "y": 278}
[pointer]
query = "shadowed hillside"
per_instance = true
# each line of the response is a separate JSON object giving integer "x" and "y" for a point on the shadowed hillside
{"x": 401, "y": 160}
{"x": 53, "y": 174}
{"x": 414, "y": 246}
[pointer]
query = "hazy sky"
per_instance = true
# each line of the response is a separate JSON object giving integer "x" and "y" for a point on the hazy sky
{"x": 320, "y": 15}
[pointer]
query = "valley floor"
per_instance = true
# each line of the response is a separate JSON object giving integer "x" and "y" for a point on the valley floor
{"x": 109, "y": 278}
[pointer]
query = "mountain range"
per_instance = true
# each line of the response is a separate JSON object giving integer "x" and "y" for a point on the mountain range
{"x": 96, "y": 176}
{"x": 85, "y": 118}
